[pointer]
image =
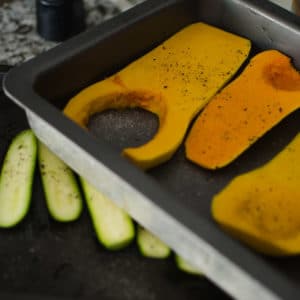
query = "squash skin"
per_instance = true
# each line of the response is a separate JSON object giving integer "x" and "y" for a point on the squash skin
{"x": 174, "y": 81}
{"x": 266, "y": 92}
{"x": 262, "y": 207}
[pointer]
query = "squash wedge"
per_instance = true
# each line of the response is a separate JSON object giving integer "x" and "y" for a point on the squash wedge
{"x": 262, "y": 207}
{"x": 173, "y": 81}
{"x": 266, "y": 92}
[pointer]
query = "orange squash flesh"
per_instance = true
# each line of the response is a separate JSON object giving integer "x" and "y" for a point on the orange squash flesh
{"x": 266, "y": 92}
{"x": 174, "y": 81}
{"x": 262, "y": 207}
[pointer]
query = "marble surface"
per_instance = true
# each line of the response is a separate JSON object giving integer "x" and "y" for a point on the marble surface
{"x": 18, "y": 38}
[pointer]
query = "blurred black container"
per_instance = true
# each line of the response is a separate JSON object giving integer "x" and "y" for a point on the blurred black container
{"x": 58, "y": 20}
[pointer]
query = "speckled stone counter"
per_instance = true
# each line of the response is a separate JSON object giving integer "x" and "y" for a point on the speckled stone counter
{"x": 18, "y": 38}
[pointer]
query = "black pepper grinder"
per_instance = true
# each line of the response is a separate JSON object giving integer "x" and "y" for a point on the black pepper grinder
{"x": 58, "y": 20}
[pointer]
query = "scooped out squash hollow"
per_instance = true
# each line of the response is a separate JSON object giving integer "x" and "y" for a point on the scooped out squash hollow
{"x": 173, "y": 81}
{"x": 262, "y": 207}
{"x": 265, "y": 93}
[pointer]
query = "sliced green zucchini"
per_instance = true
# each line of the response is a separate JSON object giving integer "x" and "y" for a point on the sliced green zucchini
{"x": 16, "y": 178}
{"x": 184, "y": 266}
{"x": 61, "y": 190}
{"x": 113, "y": 226}
{"x": 150, "y": 245}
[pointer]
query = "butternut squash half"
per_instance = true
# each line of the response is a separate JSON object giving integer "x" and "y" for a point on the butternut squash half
{"x": 262, "y": 207}
{"x": 265, "y": 93}
{"x": 173, "y": 81}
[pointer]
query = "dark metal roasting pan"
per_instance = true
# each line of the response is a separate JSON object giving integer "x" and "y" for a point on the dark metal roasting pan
{"x": 172, "y": 200}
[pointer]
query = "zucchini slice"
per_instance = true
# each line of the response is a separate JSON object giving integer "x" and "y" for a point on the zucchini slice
{"x": 16, "y": 178}
{"x": 61, "y": 190}
{"x": 150, "y": 246}
{"x": 186, "y": 267}
{"x": 114, "y": 228}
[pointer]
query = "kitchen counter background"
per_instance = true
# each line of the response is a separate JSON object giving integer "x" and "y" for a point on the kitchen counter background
{"x": 18, "y": 38}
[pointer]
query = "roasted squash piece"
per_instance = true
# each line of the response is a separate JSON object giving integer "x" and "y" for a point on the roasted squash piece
{"x": 174, "y": 81}
{"x": 266, "y": 92}
{"x": 262, "y": 207}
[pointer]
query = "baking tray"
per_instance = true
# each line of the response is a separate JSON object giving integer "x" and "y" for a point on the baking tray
{"x": 173, "y": 200}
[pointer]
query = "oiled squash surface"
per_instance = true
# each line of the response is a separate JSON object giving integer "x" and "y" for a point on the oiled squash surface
{"x": 265, "y": 93}
{"x": 174, "y": 81}
{"x": 262, "y": 207}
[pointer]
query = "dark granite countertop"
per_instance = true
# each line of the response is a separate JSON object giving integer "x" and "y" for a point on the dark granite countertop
{"x": 18, "y": 38}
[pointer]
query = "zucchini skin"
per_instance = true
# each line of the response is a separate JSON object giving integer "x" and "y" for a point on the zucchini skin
{"x": 185, "y": 266}
{"x": 16, "y": 179}
{"x": 150, "y": 246}
{"x": 103, "y": 213}
{"x": 62, "y": 193}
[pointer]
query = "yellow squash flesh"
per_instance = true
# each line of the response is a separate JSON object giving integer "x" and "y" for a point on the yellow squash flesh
{"x": 262, "y": 207}
{"x": 173, "y": 81}
{"x": 266, "y": 92}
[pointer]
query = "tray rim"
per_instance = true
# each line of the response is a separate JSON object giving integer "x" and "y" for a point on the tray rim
{"x": 18, "y": 86}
